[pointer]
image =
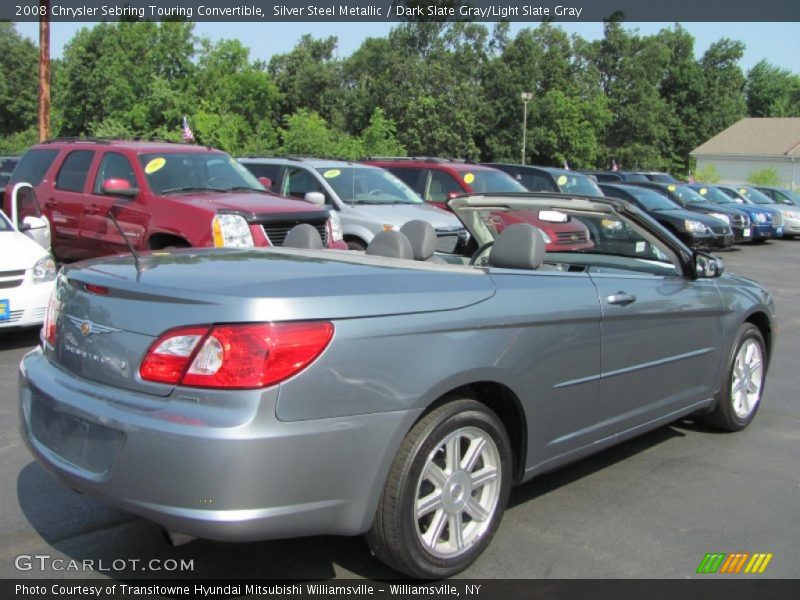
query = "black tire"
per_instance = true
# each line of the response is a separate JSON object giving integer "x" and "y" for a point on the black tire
{"x": 397, "y": 536}
{"x": 354, "y": 244}
{"x": 728, "y": 414}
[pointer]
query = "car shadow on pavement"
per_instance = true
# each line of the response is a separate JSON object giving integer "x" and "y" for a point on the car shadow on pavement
{"x": 548, "y": 482}
{"x": 14, "y": 339}
{"x": 84, "y": 529}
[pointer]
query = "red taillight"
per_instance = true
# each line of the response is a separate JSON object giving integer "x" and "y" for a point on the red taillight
{"x": 96, "y": 289}
{"x": 242, "y": 356}
{"x": 50, "y": 319}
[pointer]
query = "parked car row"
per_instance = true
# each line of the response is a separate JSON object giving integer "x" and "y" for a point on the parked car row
{"x": 104, "y": 197}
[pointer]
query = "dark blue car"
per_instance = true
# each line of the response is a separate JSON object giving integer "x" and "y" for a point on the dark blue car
{"x": 767, "y": 219}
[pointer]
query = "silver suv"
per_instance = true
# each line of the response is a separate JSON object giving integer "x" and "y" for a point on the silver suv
{"x": 369, "y": 199}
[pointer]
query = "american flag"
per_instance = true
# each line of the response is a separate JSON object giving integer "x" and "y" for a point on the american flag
{"x": 188, "y": 136}
{"x": 566, "y": 165}
{"x": 614, "y": 166}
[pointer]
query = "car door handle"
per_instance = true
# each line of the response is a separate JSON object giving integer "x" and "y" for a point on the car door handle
{"x": 92, "y": 210}
{"x": 50, "y": 204}
{"x": 621, "y": 299}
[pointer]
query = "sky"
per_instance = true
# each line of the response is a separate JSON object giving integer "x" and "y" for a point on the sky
{"x": 778, "y": 43}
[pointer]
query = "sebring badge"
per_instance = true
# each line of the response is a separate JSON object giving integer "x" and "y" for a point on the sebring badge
{"x": 87, "y": 327}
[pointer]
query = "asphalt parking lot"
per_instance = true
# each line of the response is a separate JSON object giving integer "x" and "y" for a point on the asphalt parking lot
{"x": 651, "y": 508}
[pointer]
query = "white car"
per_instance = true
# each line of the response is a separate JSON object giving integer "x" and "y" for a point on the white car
{"x": 27, "y": 271}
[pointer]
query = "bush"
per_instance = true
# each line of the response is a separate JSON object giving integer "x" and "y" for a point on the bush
{"x": 767, "y": 176}
{"x": 707, "y": 174}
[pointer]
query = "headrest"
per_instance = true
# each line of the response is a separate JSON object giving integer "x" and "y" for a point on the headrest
{"x": 392, "y": 244}
{"x": 519, "y": 246}
{"x": 303, "y": 236}
{"x": 422, "y": 236}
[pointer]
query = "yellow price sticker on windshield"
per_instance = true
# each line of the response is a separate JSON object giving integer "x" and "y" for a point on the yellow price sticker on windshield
{"x": 742, "y": 191}
{"x": 671, "y": 188}
{"x": 331, "y": 173}
{"x": 154, "y": 165}
{"x": 703, "y": 191}
{"x": 562, "y": 180}
{"x": 469, "y": 178}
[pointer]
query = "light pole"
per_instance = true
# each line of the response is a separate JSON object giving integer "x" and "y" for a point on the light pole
{"x": 526, "y": 97}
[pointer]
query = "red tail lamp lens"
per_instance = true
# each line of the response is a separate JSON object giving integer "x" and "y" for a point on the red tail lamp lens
{"x": 240, "y": 356}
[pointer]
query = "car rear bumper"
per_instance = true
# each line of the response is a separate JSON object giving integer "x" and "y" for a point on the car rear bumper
{"x": 214, "y": 472}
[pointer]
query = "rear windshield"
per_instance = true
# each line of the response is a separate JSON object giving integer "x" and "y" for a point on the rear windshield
{"x": 687, "y": 194}
{"x": 33, "y": 166}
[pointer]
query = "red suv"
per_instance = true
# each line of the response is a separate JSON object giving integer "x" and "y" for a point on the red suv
{"x": 162, "y": 195}
{"x": 438, "y": 180}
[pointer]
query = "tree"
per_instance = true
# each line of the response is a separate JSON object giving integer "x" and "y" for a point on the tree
{"x": 379, "y": 138}
{"x": 19, "y": 60}
{"x": 724, "y": 81}
{"x": 307, "y": 133}
{"x": 772, "y": 91}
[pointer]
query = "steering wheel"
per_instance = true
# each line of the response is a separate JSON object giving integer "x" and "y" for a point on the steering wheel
{"x": 481, "y": 249}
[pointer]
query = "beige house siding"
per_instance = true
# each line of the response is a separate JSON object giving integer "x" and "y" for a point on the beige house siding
{"x": 735, "y": 169}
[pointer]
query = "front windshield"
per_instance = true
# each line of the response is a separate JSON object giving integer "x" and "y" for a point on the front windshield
{"x": 368, "y": 185}
{"x": 714, "y": 194}
{"x": 754, "y": 195}
{"x": 651, "y": 200}
{"x": 618, "y": 244}
{"x": 196, "y": 171}
{"x": 575, "y": 183}
{"x": 491, "y": 181}
{"x": 687, "y": 194}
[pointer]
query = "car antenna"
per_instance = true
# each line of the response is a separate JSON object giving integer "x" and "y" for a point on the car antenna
{"x": 128, "y": 243}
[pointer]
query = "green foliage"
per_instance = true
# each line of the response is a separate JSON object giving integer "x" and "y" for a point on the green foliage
{"x": 768, "y": 176}
{"x": 707, "y": 174}
{"x": 379, "y": 138}
{"x": 19, "y": 81}
{"x": 772, "y": 92}
{"x": 427, "y": 88}
{"x": 18, "y": 142}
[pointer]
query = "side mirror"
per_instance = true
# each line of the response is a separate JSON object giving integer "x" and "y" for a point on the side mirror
{"x": 707, "y": 266}
{"x": 266, "y": 182}
{"x": 119, "y": 187}
{"x": 32, "y": 223}
{"x": 316, "y": 198}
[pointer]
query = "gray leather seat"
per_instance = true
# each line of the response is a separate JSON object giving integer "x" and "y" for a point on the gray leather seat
{"x": 392, "y": 244}
{"x": 519, "y": 246}
{"x": 422, "y": 237}
{"x": 303, "y": 236}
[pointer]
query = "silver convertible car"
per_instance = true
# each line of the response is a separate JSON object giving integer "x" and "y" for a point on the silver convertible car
{"x": 268, "y": 393}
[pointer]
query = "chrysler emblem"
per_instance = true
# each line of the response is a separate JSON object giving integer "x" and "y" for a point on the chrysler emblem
{"x": 87, "y": 327}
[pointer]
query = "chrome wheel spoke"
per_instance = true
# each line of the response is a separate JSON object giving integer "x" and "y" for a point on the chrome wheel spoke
{"x": 431, "y": 537}
{"x": 482, "y": 477}
{"x": 475, "y": 510}
{"x": 456, "y": 526}
{"x": 451, "y": 454}
{"x": 434, "y": 474}
{"x": 429, "y": 503}
{"x": 472, "y": 454}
